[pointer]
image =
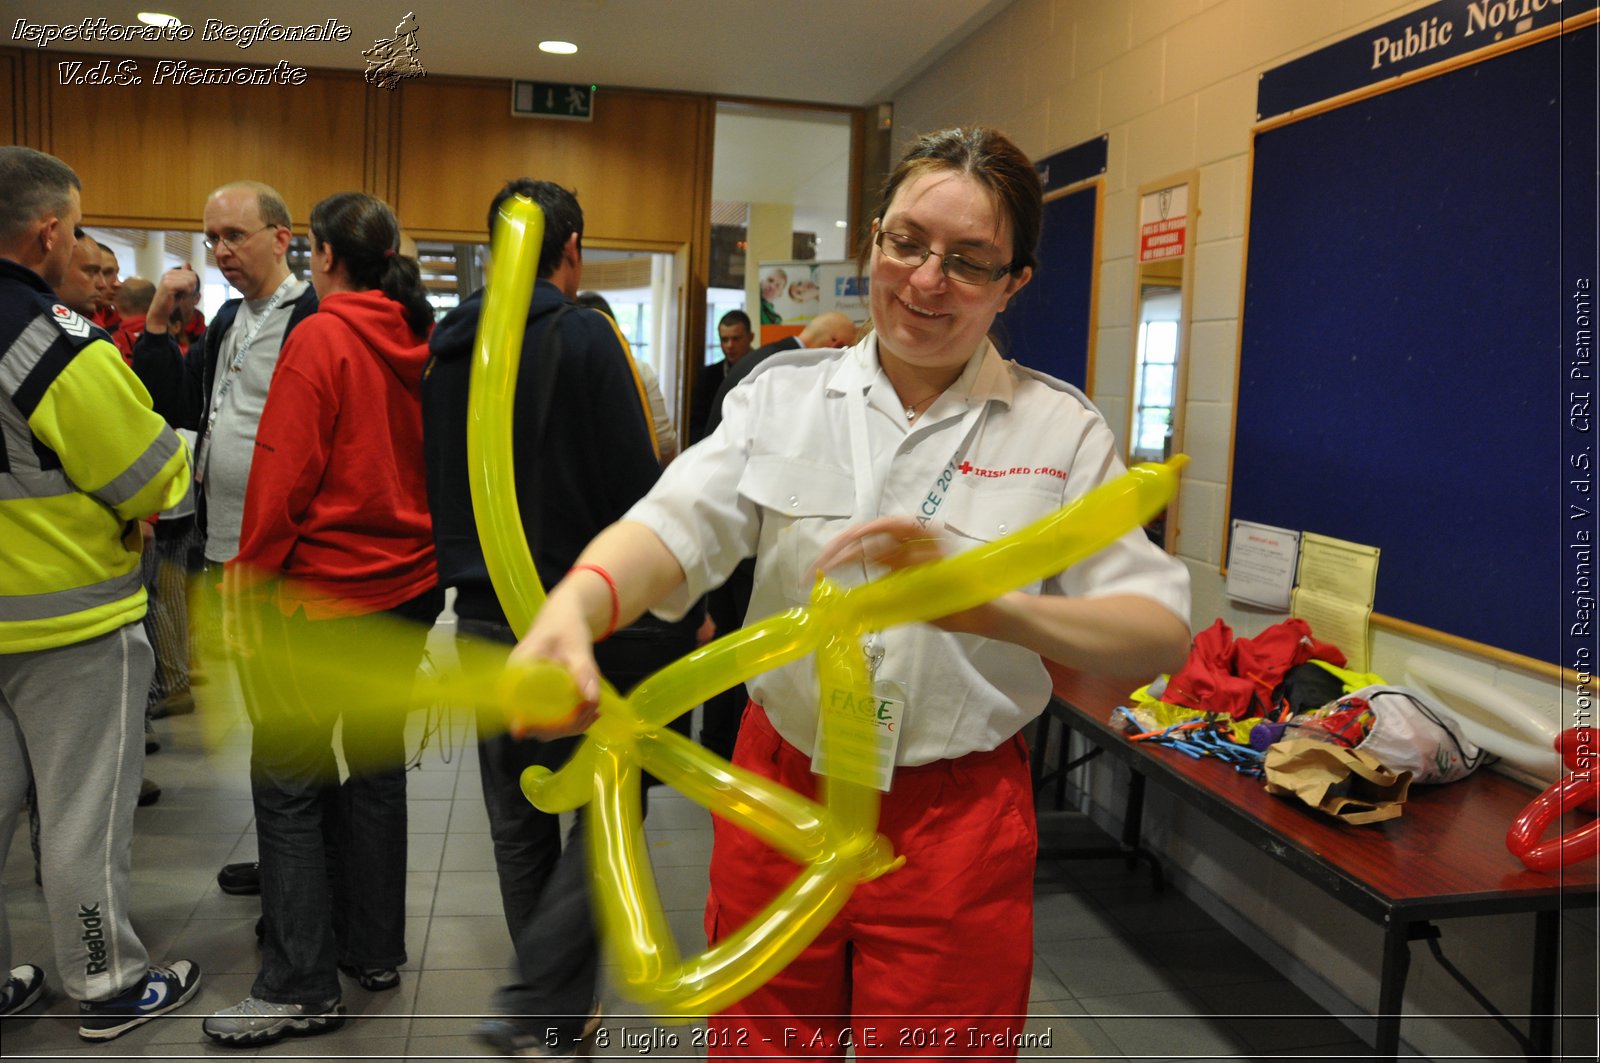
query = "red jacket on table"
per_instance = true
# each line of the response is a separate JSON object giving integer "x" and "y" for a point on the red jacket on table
{"x": 337, "y": 501}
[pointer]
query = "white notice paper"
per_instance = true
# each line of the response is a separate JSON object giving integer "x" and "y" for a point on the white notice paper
{"x": 1261, "y": 564}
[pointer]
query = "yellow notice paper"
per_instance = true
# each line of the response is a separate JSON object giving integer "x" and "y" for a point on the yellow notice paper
{"x": 1337, "y": 582}
{"x": 1336, "y": 620}
{"x": 1342, "y": 569}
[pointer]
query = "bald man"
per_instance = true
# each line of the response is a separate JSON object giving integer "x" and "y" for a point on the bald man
{"x": 133, "y": 303}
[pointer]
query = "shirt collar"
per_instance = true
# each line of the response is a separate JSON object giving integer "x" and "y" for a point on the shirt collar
{"x": 15, "y": 270}
{"x": 985, "y": 377}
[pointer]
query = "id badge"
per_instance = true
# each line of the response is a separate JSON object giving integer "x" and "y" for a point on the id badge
{"x": 198, "y": 473}
{"x": 864, "y": 756}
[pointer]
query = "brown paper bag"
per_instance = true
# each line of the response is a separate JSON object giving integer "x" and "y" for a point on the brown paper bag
{"x": 1347, "y": 783}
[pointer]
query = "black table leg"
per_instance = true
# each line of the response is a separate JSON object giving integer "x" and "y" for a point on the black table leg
{"x": 1542, "y": 1005}
{"x": 1392, "y": 987}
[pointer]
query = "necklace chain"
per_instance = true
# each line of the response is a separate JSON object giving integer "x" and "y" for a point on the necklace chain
{"x": 912, "y": 409}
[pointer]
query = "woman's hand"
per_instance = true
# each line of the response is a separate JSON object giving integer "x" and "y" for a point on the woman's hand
{"x": 624, "y": 570}
{"x": 561, "y": 638}
{"x": 897, "y": 543}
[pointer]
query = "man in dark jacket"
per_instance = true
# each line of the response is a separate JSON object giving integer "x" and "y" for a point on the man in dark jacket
{"x": 582, "y": 453}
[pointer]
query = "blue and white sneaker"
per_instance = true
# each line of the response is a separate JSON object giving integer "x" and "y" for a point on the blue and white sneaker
{"x": 23, "y": 987}
{"x": 254, "y": 1021}
{"x": 163, "y": 989}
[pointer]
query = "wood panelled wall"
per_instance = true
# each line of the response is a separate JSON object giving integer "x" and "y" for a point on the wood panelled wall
{"x": 437, "y": 149}
{"x": 639, "y": 168}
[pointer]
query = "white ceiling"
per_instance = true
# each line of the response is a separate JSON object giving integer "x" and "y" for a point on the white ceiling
{"x": 852, "y": 52}
{"x": 797, "y": 157}
{"x": 841, "y": 52}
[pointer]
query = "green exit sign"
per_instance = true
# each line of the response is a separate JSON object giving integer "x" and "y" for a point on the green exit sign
{"x": 549, "y": 99}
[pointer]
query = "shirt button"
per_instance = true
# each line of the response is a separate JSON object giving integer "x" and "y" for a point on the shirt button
{"x": 794, "y": 502}
{"x": 1002, "y": 529}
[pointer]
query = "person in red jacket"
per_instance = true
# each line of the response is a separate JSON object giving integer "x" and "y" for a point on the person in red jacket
{"x": 335, "y": 530}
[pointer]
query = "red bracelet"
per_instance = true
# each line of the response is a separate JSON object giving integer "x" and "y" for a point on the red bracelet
{"x": 616, "y": 599}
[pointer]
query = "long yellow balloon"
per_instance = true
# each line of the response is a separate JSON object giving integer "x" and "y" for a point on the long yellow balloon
{"x": 518, "y": 232}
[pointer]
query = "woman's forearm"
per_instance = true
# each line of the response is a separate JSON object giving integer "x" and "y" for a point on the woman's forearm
{"x": 1124, "y": 635}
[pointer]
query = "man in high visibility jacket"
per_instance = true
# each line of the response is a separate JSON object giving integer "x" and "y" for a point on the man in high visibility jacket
{"x": 82, "y": 458}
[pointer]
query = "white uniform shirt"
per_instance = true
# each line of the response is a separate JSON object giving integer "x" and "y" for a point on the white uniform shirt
{"x": 780, "y": 477}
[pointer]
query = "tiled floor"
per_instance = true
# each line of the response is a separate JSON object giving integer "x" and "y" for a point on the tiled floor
{"x": 1120, "y": 972}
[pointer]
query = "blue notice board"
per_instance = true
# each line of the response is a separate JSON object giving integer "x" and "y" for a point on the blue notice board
{"x": 1046, "y": 326}
{"x": 1408, "y": 332}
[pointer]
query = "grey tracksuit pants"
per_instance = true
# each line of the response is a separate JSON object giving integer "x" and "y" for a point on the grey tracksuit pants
{"x": 72, "y": 719}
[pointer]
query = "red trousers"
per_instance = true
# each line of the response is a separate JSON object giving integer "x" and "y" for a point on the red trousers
{"x": 931, "y": 960}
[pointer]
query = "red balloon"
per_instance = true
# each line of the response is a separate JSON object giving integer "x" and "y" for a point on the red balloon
{"x": 1582, "y": 788}
{"x": 1576, "y": 746}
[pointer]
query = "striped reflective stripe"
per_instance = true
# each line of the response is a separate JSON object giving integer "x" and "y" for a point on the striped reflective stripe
{"x": 21, "y": 359}
{"x": 73, "y": 600}
{"x": 31, "y": 483}
{"x": 144, "y": 469}
{"x": 34, "y": 362}
{"x": 25, "y": 353}
{"x": 17, "y": 438}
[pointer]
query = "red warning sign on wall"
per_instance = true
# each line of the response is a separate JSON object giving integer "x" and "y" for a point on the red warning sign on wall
{"x": 1164, "y": 224}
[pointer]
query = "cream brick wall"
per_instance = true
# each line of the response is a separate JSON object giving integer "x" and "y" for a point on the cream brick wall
{"x": 1173, "y": 83}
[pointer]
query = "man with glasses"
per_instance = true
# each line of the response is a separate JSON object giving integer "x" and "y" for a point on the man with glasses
{"x": 220, "y": 393}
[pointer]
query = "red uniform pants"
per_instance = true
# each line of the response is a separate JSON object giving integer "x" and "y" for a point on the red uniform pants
{"x": 934, "y": 959}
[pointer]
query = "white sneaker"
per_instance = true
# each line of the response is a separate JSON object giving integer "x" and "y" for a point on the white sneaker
{"x": 254, "y": 1021}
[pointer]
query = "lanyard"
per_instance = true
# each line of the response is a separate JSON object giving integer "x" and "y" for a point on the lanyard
{"x": 868, "y": 492}
{"x": 203, "y": 449}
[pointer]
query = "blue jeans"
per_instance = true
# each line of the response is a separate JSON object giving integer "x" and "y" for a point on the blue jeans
{"x": 333, "y": 856}
{"x": 543, "y": 886}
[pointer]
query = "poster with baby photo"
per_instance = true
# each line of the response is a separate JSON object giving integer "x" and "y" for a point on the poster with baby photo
{"x": 793, "y": 293}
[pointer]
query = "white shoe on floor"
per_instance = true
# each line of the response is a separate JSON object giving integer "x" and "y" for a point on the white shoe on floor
{"x": 254, "y": 1021}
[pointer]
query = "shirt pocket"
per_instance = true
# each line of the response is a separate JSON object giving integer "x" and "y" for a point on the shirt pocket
{"x": 803, "y": 504}
{"x": 976, "y": 515}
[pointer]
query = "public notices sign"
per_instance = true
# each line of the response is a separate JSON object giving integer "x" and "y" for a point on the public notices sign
{"x": 1164, "y": 224}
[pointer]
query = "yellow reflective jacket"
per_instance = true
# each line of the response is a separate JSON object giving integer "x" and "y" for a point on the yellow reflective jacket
{"x": 82, "y": 457}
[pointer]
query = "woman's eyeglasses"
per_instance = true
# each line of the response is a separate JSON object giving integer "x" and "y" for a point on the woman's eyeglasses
{"x": 908, "y": 252}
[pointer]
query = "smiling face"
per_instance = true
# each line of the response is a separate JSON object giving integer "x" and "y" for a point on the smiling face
{"x": 926, "y": 322}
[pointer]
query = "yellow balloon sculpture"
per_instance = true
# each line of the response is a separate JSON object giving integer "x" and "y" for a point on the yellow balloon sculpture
{"x": 835, "y": 841}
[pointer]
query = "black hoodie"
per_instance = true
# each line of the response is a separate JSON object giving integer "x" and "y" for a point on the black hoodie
{"x": 592, "y": 463}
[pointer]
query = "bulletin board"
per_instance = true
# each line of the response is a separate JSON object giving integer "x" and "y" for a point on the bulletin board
{"x": 1405, "y": 334}
{"x": 1050, "y": 325}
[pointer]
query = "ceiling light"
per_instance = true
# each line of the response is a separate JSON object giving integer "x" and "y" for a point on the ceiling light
{"x": 558, "y": 47}
{"x": 841, "y": 225}
{"x": 157, "y": 18}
